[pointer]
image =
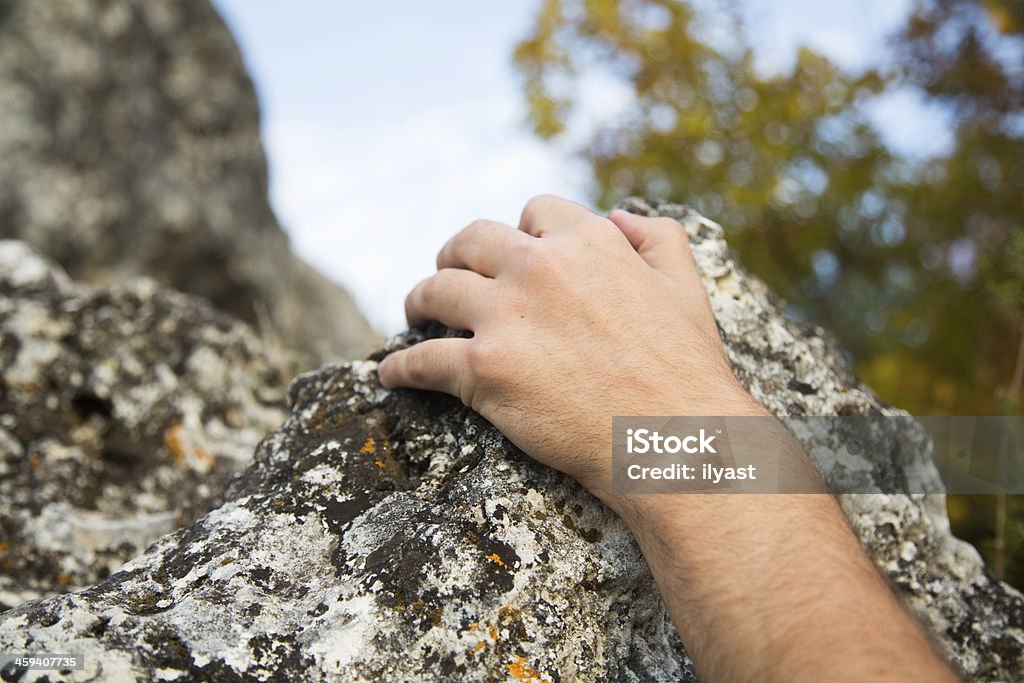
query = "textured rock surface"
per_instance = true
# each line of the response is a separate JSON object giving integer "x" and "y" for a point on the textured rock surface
{"x": 130, "y": 146}
{"x": 122, "y": 413}
{"x": 398, "y": 536}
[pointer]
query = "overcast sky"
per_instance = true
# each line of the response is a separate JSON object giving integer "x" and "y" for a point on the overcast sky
{"x": 389, "y": 126}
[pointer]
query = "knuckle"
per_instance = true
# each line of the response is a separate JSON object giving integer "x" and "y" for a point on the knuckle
{"x": 445, "y": 286}
{"x": 459, "y": 238}
{"x": 468, "y": 394}
{"x": 670, "y": 227}
{"x": 537, "y": 205}
{"x": 539, "y": 201}
{"x": 477, "y": 226}
{"x": 445, "y": 254}
{"x": 428, "y": 290}
{"x": 481, "y": 358}
{"x": 476, "y": 231}
{"x": 413, "y": 297}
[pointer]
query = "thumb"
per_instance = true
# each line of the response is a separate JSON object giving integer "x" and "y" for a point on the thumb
{"x": 661, "y": 242}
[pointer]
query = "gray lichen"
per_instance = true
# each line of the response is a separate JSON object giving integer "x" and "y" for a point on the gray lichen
{"x": 398, "y": 536}
{"x": 122, "y": 414}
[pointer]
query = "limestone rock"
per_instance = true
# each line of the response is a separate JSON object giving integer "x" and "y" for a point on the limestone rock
{"x": 397, "y": 536}
{"x": 122, "y": 414}
{"x": 130, "y": 146}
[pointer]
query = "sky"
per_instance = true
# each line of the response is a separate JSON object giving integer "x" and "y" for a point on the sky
{"x": 390, "y": 126}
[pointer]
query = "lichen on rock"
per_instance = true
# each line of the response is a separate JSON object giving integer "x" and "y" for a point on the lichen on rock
{"x": 397, "y": 535}
{"x": 122, "y": 414}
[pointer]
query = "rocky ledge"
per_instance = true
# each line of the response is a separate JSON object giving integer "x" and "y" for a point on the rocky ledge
{"x": 397, "y": 536}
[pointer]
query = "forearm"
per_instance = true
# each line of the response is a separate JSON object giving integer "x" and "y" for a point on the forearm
{"x": 775, "y": 587}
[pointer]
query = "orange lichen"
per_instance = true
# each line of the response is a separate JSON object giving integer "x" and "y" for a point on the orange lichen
{"x": 496, "y": 558}
{"x": 522, "y": 671}
{"x": 204, "y": 457}
{"x": 370, "y": 447}
{"x": 481, "y": 645}
{"x": 184, "y": 453}
{"x": 507, "y": 612}
{"x": 175, "y": 444}
{"x": 379, "y": 463}
{"x": 3, "y": 546}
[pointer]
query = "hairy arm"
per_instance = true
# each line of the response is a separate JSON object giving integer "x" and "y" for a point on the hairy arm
{"x": 577, "y": 318}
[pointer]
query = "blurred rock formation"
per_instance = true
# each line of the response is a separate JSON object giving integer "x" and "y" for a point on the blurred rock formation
{"x": 130, "y": 145}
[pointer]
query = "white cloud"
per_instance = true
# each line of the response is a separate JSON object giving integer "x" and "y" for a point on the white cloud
{"x": 853, "y": 33}
{"x": 911, "y": 125}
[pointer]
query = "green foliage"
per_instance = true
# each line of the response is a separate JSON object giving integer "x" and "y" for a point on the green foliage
{"x": 916, "y": 264}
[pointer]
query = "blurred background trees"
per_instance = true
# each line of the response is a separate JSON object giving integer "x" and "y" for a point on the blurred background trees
{"x": 916, "y": 263}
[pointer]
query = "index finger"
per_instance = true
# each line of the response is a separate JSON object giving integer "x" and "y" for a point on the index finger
{"x": 434, "y": 365}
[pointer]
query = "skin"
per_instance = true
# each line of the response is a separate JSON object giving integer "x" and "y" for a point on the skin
{"x": 576, "y": 318}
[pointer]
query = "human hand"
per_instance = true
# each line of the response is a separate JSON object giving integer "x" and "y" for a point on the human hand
{"x": 575, "y": 318}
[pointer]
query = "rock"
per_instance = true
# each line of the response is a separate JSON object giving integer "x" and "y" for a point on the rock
{"x": 130, "y": 146}
{"x": 122, "y": 414}
{"x": 398, "y": 536}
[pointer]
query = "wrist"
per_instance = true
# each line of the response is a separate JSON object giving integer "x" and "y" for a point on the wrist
{"x": 730, "y": 399}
